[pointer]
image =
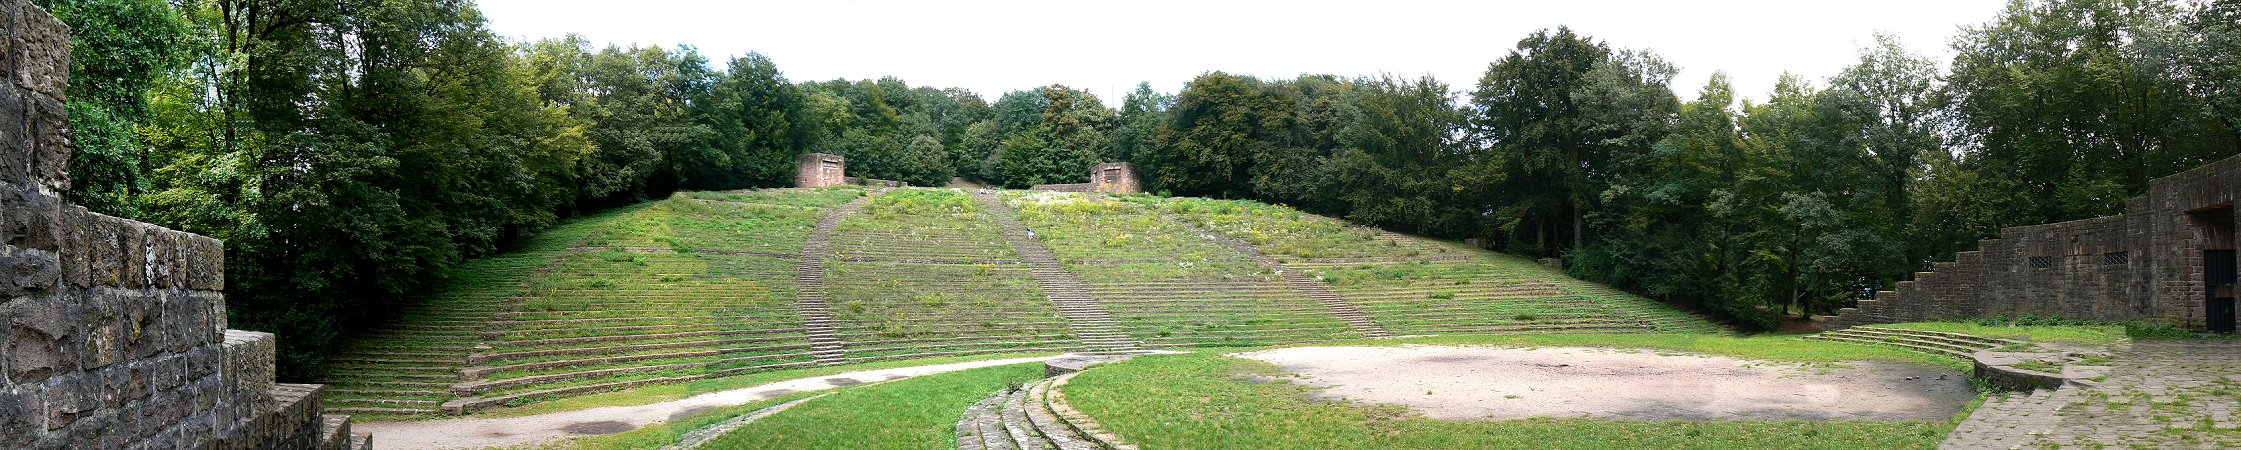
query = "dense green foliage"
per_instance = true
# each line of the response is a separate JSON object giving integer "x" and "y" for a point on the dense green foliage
{"x": 348, "y": 152}
{"x": 1827, "y": 190}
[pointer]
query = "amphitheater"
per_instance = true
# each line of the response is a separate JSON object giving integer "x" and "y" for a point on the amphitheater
{"x": 843, "y": 288}
{"x": 862, "y": 314}
{"x": 847, "y": 275}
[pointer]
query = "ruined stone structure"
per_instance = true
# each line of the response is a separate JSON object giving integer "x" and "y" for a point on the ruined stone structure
{"x": 816, "y": 170}
{"x": 116, "y": 330}
{"x": 2170, "y": 256}
{"x": 1110, "y": 178}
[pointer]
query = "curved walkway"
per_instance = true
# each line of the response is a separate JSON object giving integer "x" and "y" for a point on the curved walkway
{"x": 472, "y": 432}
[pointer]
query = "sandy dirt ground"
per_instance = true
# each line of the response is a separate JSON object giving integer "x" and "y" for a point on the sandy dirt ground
{"x": 472, "y": 432}
{"x": 1463, "y": 383}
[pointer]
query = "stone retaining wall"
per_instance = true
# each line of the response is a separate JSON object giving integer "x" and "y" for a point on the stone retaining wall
{"x": 115, "y": 330}
{"x": 2146, "y": 263}
{"x": 1110, "y": 178}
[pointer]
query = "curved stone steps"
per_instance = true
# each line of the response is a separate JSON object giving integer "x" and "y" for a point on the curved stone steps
{"x": 428, "y": 391}
{"x": 636, "y": 337}
{"x": 1032, "y": 417}
{"x": 982, "y": 427}
{"x": 1957, "y": 337}
{"x": 728, "y": 345}
{"x": 1936, "y": 343}
{"x": 333, "y": 408}
{"x": 477, "y": 371}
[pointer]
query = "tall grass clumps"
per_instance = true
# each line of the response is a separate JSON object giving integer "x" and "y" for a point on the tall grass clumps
{"x": 1079, "y": 228}
{"x": 921, "y": 224}
{"x": 825, "y": 197}
{"x": 1279, "y": 230}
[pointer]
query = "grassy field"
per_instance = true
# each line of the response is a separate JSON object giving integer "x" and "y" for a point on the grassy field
{"x": 914, "y": 413}
{"x": 666, "y": 392}
{"x": 1207, "y": 400}
{"x": 665, "y": 433}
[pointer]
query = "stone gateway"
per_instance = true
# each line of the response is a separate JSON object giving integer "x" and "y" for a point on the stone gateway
{"x": 116, "y": 330}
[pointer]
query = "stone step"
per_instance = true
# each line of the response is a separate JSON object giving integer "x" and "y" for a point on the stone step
{"x": 1921, "y": 348}
{"x": 982, "y": 426}
{"x": 1922, "y": 340}
{"x": 395, "y": 384}
{"x": 430, "y": 404}
{"x": 372, "y": 369}
{"x": 1047, "y": 424}
{"x": 363, "y": 361}
{"x": 453, "y": 376}
{"x": 433, "y": 391}
{"x": 395, "y": 354}
{"x": 1081, "y": 424}
{"x": 378, "y": 410}
{"x": 1989, "y": 342}
{"x": 1015, "y": 422}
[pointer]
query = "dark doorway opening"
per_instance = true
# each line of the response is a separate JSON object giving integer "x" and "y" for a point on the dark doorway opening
{"x": 2214, "y": 231}
{"x": 2218, "y": 275}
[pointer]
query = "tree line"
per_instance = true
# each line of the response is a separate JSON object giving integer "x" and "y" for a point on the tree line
{"x": 1802, "y": 203}
{"x": 349, "y": 151}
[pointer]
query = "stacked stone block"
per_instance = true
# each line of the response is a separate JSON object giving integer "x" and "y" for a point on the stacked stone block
{"x": 816, "y": 170}
{"x": 115, "y": 331}
{"x": 1110, "y": 178}
{"x": 1114, "y": 178}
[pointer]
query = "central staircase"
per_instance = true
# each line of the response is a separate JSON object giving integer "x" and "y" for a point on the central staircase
{"x": 1089, "y": 319}
{"x": 809, "y": 285}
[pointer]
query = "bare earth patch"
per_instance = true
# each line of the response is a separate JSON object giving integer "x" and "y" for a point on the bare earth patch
{"x": 1464, "y": 383}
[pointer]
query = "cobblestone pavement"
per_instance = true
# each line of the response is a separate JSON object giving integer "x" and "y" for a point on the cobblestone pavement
{"x": 2183, "y": 393}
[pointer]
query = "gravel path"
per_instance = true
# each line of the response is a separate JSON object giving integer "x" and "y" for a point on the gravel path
{"x": 472, "y": 432}
{"x": 1463, "y": 383}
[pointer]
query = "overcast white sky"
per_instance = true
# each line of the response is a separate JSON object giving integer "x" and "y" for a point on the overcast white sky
{"x": 991, "y": 47}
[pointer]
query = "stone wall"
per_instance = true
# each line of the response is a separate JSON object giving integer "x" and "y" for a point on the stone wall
{"x": 2146, "y": 263}
{"x": 116, "y": 330}
{"x": 1114, "y": 178}
{"x": 816, "y": 170}
{"x": 1110, "y": 178}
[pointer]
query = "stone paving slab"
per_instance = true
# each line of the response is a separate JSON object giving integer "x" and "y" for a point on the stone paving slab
{"x": 2179, "y": 393}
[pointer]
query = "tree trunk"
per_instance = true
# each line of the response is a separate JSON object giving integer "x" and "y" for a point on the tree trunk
{"x": 1577, "y": 227}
